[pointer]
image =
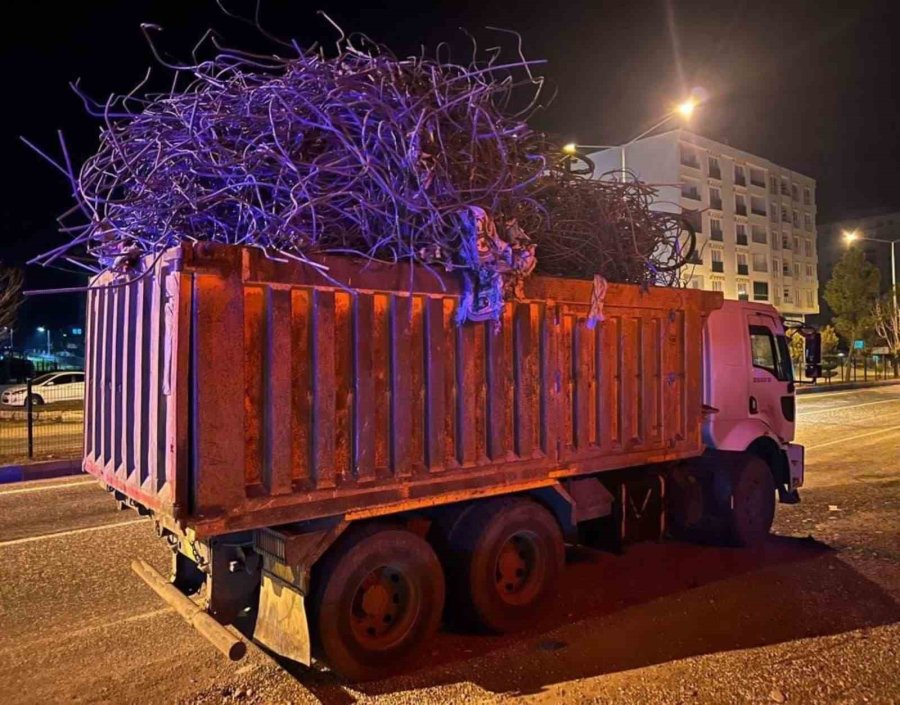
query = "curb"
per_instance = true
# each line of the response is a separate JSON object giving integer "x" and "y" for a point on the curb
{"x": 39, "y": 471}
{"x": 840, "y": 386}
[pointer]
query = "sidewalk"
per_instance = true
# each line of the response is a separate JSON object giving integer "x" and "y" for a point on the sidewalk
{"x": 838, "y": 386}
{"x": 39, "y": 471}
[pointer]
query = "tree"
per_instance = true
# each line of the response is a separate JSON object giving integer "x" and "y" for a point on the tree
{"x": 10, "y": 298}
{"x": 851, "y": 293}
{"x": 886, "y": 320}
{"x": 829, "y": 340}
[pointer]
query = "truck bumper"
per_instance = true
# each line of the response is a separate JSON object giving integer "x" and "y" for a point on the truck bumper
{"x": 796, "y": 463}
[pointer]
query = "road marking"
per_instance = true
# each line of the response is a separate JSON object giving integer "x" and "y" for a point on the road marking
{"x": 852, "y": 406}
{"x": 43, "y": 537}
{"x": 80, "y": 483}
{"x": 853, "y": 438}
{"x": 858, "y": 390}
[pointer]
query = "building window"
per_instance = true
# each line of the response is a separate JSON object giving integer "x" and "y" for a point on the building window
{"x": 714, "y": 171}
{"x": 787, "y": 294}
{"x": 739, "y": 178}
{"x": 757, "y": 205}
{"x": 689, "y": 157}
{"x": 715, "y": 229}
{"x": 796, "y": 244}
{"x": 760, "y": 291}
{"x": 807, "y": 248}
{"x": 807, "y": 197}
{"x": 717, "y": 264}
{"x": 809, "y": 299}
{"x": 757, "y": 177}
{"x": 785, "y": 215}
{"x": 776, "y": 240}
{"x": 773, "y": 184}
{"x": 785, "y": 186}
{"x": 716, "y": 284}
{"x": 689, "y": 189}
{"x": 796, "y": 219}
{"x": 740, "y": 205}
{"x": 796, "y": 270}
{"x": 759, "y": 235}
{"x": 760, "y": 262}
{"x": 809, "y": 271}
{"x": 742, "y": 267}
{"x": 773, "y": 212}
{"x": 740, "y": 231}
{"x": 776, "y": 266}
{"x": 795, "y": 192}
{"x": 742, "y": 290}
{"x": 715, "y": 198}
{"x": 807, "y": 221}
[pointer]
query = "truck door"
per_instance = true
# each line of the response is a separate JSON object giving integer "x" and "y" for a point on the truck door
{"x": 772, "y": 379}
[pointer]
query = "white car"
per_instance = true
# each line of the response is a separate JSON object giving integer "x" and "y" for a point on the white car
{"x": 46, "y": 389}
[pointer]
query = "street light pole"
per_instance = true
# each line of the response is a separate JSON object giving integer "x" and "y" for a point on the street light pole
{"x": 684, "y": 109}
{"x": 42, "y": 329}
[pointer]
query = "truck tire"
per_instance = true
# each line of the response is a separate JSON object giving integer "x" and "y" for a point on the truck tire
{"x": 752, "y": 501}
{"x": 378, "y": 595}
{"x": 502, "y": 558}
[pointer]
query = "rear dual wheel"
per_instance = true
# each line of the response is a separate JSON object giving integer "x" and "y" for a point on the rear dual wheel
{"x": 378, "y": 595}
{"x": 502, "y": 558}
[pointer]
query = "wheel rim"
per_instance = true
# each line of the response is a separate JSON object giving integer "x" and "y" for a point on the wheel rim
{"x": 517, "y": 575}
{"x": 383, "y": 608}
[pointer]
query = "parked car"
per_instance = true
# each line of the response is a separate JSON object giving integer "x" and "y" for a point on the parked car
{"x": 47, "y": 389}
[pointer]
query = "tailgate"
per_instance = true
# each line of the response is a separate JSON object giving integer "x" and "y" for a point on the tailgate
{"x": 131, "y": 399}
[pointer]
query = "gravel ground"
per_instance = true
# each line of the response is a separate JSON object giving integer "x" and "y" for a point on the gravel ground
{"x": 811, "y": 617}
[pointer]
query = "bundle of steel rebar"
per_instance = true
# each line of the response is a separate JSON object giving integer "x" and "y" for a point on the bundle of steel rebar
{"x": 361, "y": 153}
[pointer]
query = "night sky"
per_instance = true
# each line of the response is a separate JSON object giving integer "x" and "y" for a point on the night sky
{"x": 809, "y": 85}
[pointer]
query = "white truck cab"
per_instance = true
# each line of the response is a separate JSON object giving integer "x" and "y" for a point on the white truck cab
{"x": 748, "y": 396}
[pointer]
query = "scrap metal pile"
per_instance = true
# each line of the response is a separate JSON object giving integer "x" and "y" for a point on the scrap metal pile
{"x": 361, "y": 153}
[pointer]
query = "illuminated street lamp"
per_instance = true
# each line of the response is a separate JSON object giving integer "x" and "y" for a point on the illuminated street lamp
{"x": 684, "y": 110}
{"x": 41, "y": 329}
{"x": 851, "y": 236}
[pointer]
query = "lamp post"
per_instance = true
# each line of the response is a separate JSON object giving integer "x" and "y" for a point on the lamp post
{"x": 42, "y": 329}
{"x": 684, "y": 109}
{"x": 851, "y": 236}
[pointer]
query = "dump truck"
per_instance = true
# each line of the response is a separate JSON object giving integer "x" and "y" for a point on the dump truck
{"x": 327, "y": 450}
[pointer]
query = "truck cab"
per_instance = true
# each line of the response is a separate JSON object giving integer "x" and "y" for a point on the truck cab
{"x": 748, "y": 394}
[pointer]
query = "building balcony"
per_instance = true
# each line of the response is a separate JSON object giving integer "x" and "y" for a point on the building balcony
{"x": 740, "y": 181}
{"x": 695, "y": 258}
{"x": 716, "y": 235}
{"x": 760, "y": 184}
{"x": 687, "y": 160}
{"x": 715, "y": 203}
{"x": 741, "y": 239}
{"x": 718, "y": 266}
{"x": 740, "y": 210}
{"x": 693, "y": 194}
{"x": 743, "y": 269}
{"x": 757, "y": 211}
{"x": 715, "y": 174}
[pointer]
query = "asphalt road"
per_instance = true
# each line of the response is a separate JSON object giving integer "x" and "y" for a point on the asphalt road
{"x": 813, "y": 616}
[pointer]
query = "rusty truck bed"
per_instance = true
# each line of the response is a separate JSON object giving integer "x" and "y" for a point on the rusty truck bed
{"x": 227, "y": 391}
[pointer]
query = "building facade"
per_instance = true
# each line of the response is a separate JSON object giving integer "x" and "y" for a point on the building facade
{"x": 755, "y": 220}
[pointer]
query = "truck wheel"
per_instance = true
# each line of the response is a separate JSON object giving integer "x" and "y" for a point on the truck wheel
{"x": 503, "y": 556}
{"x": 377, "y": 596}
{"x": 752, "y": 501}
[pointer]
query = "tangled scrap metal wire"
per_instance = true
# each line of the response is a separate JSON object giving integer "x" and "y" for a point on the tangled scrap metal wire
{"x": 360, "y": 153}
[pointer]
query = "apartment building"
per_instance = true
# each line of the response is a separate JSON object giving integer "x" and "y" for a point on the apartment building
{"x": 755, "y": 220}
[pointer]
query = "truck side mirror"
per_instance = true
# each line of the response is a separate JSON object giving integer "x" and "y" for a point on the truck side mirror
{"x": 813, "y": 347}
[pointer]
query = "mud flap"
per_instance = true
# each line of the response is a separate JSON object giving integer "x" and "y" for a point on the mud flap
{"x": 281, "y": 623}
